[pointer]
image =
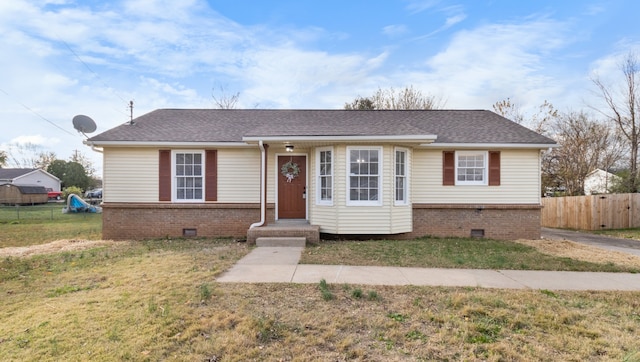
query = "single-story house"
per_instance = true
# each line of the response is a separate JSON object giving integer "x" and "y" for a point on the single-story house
{"x": 29, "y": 176}
{"x": 11, "y": 194}
{"x": 397, "y": 174}
{"x": 599, "y": 181}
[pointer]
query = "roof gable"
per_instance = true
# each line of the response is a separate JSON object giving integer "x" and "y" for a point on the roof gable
{"x": 10, "y": 174}
{"x": 13, "y": 173}
{"x": 219, "y": 125}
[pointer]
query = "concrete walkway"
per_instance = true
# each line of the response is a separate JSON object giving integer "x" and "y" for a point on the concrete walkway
{"x": 280, "y": 265}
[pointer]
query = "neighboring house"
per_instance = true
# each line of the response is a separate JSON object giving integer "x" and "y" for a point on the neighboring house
{"x": 29, "y": 176}
{"x": 598, "y": 182}
{"x": 400, "y": 174}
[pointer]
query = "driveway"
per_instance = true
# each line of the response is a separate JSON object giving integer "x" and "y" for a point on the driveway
{"x": 629, "y": 246}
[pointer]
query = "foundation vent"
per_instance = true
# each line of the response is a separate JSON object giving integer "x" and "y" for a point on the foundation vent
{"x": 189, "y": 233}
{"x": 477, "y": 233}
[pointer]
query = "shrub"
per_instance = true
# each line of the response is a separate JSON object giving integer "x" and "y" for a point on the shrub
{"x": 71, "y": 190}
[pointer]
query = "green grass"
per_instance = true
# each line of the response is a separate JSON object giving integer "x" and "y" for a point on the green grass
{"x": 159, "y": 300}
{"x": 621, "y": 233}
{"x": 42, "y": 224}
{"x": 49, "y": 211}
{"x": 447, "y": 253}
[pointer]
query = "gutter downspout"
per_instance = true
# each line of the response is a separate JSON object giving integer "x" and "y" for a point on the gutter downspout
{"x": 263, "y": 191}
{"x": 93, "y": 147}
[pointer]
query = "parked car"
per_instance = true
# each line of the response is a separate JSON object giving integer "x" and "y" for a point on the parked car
{"x": 93, "y": 194}
{"x": 53, "y": 194}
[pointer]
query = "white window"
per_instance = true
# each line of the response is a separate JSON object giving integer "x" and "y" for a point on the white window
{"x": 325, "y": 176}
{"x": 471, "y": 167}
{"x": 401, "y": 177}
{"x": 364, "y": 170}
{"x": 188, "y": 176}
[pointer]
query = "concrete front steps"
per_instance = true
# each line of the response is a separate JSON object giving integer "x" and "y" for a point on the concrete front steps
{"x": 281, "y": 241}
{"x": 284, "y": 233}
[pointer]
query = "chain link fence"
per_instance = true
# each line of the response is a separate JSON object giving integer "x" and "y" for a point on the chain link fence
{"x": 49, "y": 211}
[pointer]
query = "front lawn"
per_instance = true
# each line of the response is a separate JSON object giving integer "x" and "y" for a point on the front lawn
{"x": 159, "y": 300}
{"x": 449, "y": 253}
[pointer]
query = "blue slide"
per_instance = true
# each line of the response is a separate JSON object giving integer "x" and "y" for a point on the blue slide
{"x": 77, "y": 204}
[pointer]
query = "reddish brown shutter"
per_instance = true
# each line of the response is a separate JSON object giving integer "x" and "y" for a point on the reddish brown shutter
{"x": 448, "y": 168}
{"x": 211, "y": 175}
{"x": 494, "y": 168}
{"x": 165, "y": 176}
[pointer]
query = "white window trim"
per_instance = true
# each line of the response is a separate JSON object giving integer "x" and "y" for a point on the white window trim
{"x": 406, "y": 177}
{"x": 319, "y": 200}
{"x": 378, "y": 202}
{"x": 174, "y": 183}
{"x": 485, "y": 175}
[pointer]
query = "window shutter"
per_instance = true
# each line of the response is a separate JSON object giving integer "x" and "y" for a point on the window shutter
{"x": 494, "y": 168}
{"x": 448, "y": 168}
{"x": 165, "y": 176}
{"x": 211, "y": 175}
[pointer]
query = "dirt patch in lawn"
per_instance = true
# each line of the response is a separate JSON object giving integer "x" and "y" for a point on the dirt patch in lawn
{"x": 573, "y": 250}
{"x": 54, "y": 247}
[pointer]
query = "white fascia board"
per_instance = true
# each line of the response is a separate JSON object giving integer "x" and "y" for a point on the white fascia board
{"x": 426, "y": 139}
{"x": 491, "y": 145}
{"x": 167, "y": 144}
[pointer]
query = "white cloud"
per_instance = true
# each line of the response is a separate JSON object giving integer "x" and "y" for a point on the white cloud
{"x": 478, "y": 65}
{"x": 288, "y": 77}
{"x": 418, "y": 6}
{"x": 453, "y": 20}
{"x": 36, "y": 139}
{"x": 394, "y": 30}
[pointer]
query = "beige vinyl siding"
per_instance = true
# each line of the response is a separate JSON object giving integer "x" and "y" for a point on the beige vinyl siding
{"x": 402, "y": 215}
{"x": 130, "y": 175}
{"x": 239, "y": 175}
{"x": 520, "y": 180}
{"x": 325, "y": 216}
{"x": 349, "y": 219}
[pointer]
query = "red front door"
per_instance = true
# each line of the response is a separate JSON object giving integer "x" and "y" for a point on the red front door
{"x": 292, "y": 187}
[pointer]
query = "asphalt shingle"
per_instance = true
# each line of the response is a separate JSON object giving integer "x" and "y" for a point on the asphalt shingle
{"x": 218, "y": 125}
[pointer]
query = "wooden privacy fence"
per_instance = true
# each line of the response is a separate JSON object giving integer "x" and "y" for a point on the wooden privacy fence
{"x": 595, "y": 212}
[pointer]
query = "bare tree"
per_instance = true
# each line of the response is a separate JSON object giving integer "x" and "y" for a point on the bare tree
{"x": 44, "y": 160}
{"x": 224, "y": 100}
{"x": 623, "y": 107}
{"x": 3, "y": 158}
{"x": 585, "y": 145}
{"x": 360, "y": 104}
{"x": 23, "y": 155}
{"x": 508, "y": 109}
{"x": 407, "y": 98}
{"x": 83, "y": 160}
{"x": 538, "y": 121}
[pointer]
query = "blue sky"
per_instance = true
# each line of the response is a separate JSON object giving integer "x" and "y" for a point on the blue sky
{"x": 60, "y": 58}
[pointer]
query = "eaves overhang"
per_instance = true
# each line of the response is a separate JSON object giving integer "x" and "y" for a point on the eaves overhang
{"x": 420, "y": 139}
{"x": 539, "y": 146}
{"x": 172, "y": 144}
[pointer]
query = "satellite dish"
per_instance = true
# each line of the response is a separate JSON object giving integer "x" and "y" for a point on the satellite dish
{"x": 84, "y": 124}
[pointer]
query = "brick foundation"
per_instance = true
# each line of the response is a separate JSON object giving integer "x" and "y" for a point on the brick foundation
{"x": 504, "y": 222}
{"x": 121, "y": 221}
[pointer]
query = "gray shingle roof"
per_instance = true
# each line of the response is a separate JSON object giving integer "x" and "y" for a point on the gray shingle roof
{"x": 219, "y": 125}
{"x": 11, "y": 173}
{"x": 31, "y": 189}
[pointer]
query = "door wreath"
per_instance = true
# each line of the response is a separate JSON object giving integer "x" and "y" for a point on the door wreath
{"x": 290, "y": 170}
